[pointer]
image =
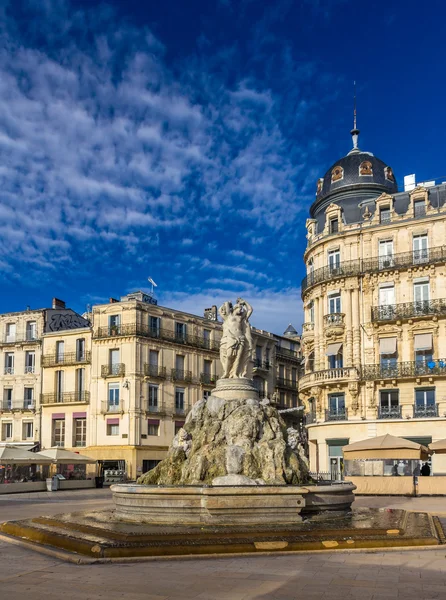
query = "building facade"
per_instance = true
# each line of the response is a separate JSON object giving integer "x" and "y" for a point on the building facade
{"x": 375, "y": 310}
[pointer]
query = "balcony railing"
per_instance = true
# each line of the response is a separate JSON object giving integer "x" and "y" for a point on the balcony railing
{"x": 30, "y": 369}
{"x": 139, "y": 329}
{"x": 334, "y": 319}
{"x": 208, "y": 379}
{"x": 425, "y": 411}
{"x": 157, "y": 408}
{"x": 404, "y": 369}
{"x": 409, "y": 310}
{"x": 389, "y": 412}
{"x": 263, "y": 365}
{"x": 9, "y": 371}
{"x": 336, "y": 415}
{"x": 181, "y": 408}
{"x": 66, "y": 359}
{"x": 307, "y": 327}
{"x": 65, "y": 398}
{"x": 286, "y": 353}
{"x": 154, "y": 371}
{"x": 376, "y": 264}
{"x": 180, "y": 375}
{"x": 114, "y": 370}
{"x": 9, "y": 405}
{"x": 27, "y": 338}
{"x": 283, "y": 382}
{"x": 342, "y": 373}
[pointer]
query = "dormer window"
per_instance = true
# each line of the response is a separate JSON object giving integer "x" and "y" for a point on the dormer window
{"x": 365, "y": 168}
{"x": 419, "y": 208}
{"x": 337, "y": 174}
{"x": 384, "y": 215}
{"x": 388, "y": 174}
{"x": 334, "y": 225}
{"x": 320, "y": 183}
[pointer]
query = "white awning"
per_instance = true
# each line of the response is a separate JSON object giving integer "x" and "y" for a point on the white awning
{"x": 333, "y": 349}
{"x": 423, "y": 341}
{"x": 387, "y": 345}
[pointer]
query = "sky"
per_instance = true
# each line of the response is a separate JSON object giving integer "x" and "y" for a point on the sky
{"x": 182, "y": 140}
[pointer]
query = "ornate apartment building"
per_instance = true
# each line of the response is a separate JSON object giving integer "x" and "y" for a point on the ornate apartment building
{"x": 120, "y": 384}
{"x": 375, "y": 310}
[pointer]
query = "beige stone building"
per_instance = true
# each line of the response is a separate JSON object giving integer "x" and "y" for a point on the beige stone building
{"x": 375, "y": 310}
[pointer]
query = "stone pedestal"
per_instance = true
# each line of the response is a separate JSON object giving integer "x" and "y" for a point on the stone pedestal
{"x": 240, "y": 388}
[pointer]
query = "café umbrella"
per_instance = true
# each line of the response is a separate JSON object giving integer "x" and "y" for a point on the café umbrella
{"x": 66, "y": 457}
{"x": 438, "y": 447}
{"x": 385, "y": 447}
{"x": 11, "y": 455}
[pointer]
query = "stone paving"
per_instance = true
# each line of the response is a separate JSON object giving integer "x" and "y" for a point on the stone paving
{"x": 412, "y": 574}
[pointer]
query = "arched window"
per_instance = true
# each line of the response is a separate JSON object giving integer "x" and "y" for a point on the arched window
{"x": 320, "y": 183}
{"x": 388, "y": 173}
{"x": 365, "y": 168}
{"x": 337, "y": 173}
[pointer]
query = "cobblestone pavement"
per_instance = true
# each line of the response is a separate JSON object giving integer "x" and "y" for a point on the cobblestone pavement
{"x": 412, "y": 574}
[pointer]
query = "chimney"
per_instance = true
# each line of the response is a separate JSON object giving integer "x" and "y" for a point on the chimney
{"x": 58, "y": 303}
{"x": 112, "y": 300}
{"x": 211, "y": 313}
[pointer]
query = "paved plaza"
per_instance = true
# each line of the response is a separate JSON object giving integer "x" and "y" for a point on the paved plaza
{"x": 411, "y": 574}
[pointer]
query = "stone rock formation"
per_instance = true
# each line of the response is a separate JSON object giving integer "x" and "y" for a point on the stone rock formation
{"x": 231, "y": 442}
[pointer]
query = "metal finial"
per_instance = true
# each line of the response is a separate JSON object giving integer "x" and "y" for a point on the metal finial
{"x": 355, "y": 131}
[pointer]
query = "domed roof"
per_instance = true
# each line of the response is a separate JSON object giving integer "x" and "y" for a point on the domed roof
{"x": 357, "y": 170}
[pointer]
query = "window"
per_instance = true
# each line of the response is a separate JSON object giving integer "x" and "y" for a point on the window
{"x": 153, "y": 398}
{"x": 10, "y": 332}
{"x": 79, "y": 432}
{"x": 388, "y": 355}
{"x": 425, "y": 403}
{"x": 282, "y": 399}
{"x": 384, "y": 215}
{"x": 336, "y": 404}
{"x": 385, "y": 252}
{"x": 114, "y": 324}
{"x": 9, "y": 363}
{"x": 335, "y": 361}
{"x": 112, "y": 428}
{"x": 310, "y": 271}
{"x": 267, "y": 356}
{"x": 60, "y": 351}
{"x": 179, "y": 399}
{"x": 419, "y": 208}
{"x": 59, "y": 432}
{"x": 28, "y": 431}
{"x": 389, "y": 404}
{"x": 178, "y": 425}
{"x": 29, "y": 397}
{"x": 80, "y": 349}
{"x": 311, "y": 311}
{"x": 421, "y": 297}
{"x": 31, "y": 330}
{"x": 153, "y": 357}
{"x": 281, "y": 372}
{"x": 294, "y": 400}
{"x": 334, "y": 304}
{"x": 113, "y": 397}
{"x": 207, "y": 367}
{"x": 206, "y": 338}
{"x": 387, "y": 295}
{"x": 114, "y": 361}
{"x": 259, "y": 354}
{"x": 59, "y": 375}
{"x": 206, "y": 394}
{"x": 6, "y": 431}
{"x": 80, "y": 383}
{"x": 334, "y": 225}
{"x": 292, "y": 346}
{"x": 420, "y": 247}
{"x": 423, "y": 346}
{"x": 7, "y": 398}
{"x": 334, "y": 260}
{"x": 30, "y": 362}
{"x": 180, "y": 331}
{"x": 294, "y": 375}
{"x": 179, "y": 364}
{"x": 337, "y": 173}
{"x": 154, "y": 325}
{"x": 309, "y": 365}
{"x": 148, "y": 465}
{"x": 153, "y": 428}
{"x": 335, "y": 457}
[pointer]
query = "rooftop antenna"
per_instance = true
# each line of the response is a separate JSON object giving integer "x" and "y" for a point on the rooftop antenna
{"x": 152, "y": 283}
{"x": 355, "y": 131}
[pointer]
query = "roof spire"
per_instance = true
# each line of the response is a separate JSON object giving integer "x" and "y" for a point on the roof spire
{"x": 355, "y": 131}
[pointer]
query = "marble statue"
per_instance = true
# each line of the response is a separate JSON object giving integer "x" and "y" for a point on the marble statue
{"x": 236, "y": 342}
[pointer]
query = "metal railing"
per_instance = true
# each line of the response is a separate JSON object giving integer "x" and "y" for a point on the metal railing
{"x": 181, "y": 408}
{"x": 9, "y": 371}
{"x": 264, "y": 365}
{"x": 404, "y": 369}
{"x": 389, "y": 412}
{"x": 180, "y": 375}
{"x": 157, "y": 408}
{"x": 208, "y": 379}
{"x": 30, "y": 369}
{"x": 65, "y": 398}
{"x": 336, "y": 415}
{"x": 409, "y": 310}
{"x": 8, "y": 405}
{"x": 20, "y": 339}
{"x": 155, "y": 371}
{"x": 286, "y": 353}
{"x": 334, "y": 319}
{"x": 113, "y": 370}
{"x": 346, "y": 373}
{"x": 425, "y": 411}
{"x": 375, "y": 264}
{"x": 287, "y": 383}
{"x": 65, "y": 359}
{"x": 139, "y": 329}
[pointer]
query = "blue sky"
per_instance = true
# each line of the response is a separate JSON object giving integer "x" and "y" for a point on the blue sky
{"x": 183, "y": 140}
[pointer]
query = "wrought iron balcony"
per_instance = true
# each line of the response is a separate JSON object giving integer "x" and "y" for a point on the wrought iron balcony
{"x": 66, "y": 359}
{"x": 372, "y": 265}
{"x": 180, "y": 375}
{"x": 157, "y": 408}
{"x": 27, "y": 338}
{"x": 30, "y": 369}
{"x": 286, "y": 353}
{"x": 9, "y": 371}
{"x": 404, "y": 369}
{"x": 409, "y": 310}
{"x": 336, "y": 415}
{"x": 113, "y": 370}
{"x": 333, "y": 319}
{"x": 262, "y": 365}
{"x": 181, "y": 408}
{"x": 138, "y": 329}
{"x": 389, "y": 412}
{"x": 154, "y": 371}
{"x": 425, "y": 411}
{"x": 283, "y": 382}
{"x": 208, "y": 379}
{"x": 11, "y": 405}
{"x": 65, "y": 398}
